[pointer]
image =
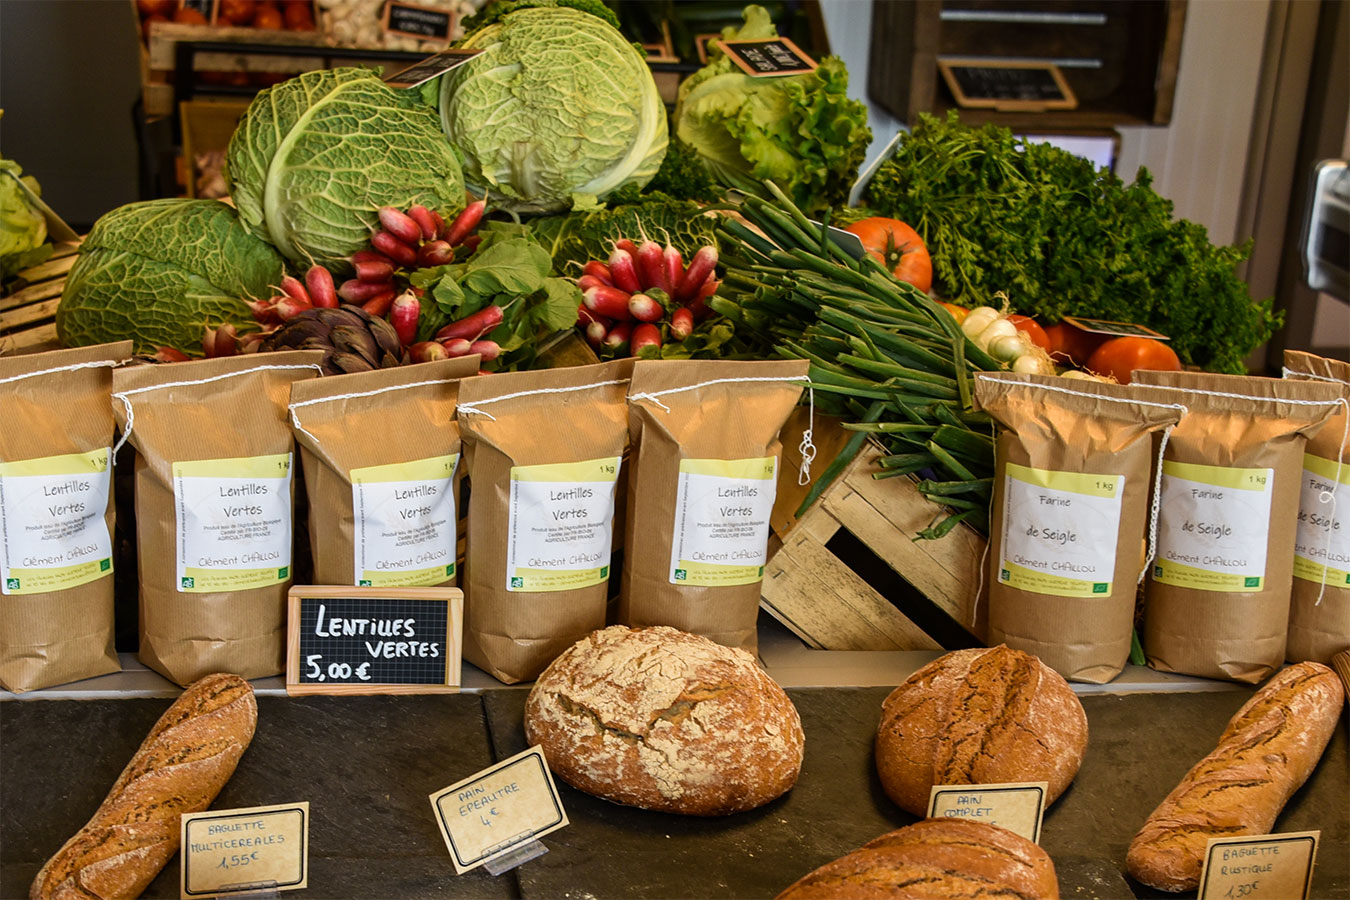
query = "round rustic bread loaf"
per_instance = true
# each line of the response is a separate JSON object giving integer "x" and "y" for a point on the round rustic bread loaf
{"x": 935, "y": 858}
{"x": 981, "y": 716}
{"x": 665, "y": 720}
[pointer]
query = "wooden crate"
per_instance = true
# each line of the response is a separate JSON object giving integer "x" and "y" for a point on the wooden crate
{"x": 28, "y": 315}
{"x": 850, "y": 576}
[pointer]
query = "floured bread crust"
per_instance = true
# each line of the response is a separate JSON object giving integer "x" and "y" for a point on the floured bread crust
{"x": 665, "y": 720}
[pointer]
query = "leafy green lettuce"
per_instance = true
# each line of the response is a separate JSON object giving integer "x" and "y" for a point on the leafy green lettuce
{"x": 800, "y": 131}
{"x": 556, "y": 113}
{"x": 315, "y": 157}
{"x": 23, "y": 228}
{"x": 159, "y": 272}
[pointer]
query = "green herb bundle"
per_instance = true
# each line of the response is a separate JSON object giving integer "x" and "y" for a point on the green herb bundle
{"x": 1062, "y": 238}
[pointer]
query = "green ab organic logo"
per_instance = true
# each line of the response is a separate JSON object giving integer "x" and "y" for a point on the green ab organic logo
{"x": 681, "y": 574}
{"x": 364, "y": 582}
{"x": 517, "y": 582}
{"x": 189, "y": 583}
{"x": 11, "y": 584}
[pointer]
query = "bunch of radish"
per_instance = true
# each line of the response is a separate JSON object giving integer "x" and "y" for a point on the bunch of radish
{"x": 644, "y": 296}
{"x": 294, "y": 295}
{"x": 417, "y": 239}
{"x": 463, "y": 337}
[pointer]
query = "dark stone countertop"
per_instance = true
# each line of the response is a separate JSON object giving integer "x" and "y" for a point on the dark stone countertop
{"x": 367, "y": 765}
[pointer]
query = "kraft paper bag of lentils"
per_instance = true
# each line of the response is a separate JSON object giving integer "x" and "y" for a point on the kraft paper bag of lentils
{"x": 380, "y": 456}
{"x": 56, "y": 516}
{"x": 701, "y": 489}
{"x": 214, "y": 501}
{"x": 543, "y": 451}
{"x": 1319, "y": 607}
{"x": 1216, "y": 603}
{"x": 1067, "y": 539}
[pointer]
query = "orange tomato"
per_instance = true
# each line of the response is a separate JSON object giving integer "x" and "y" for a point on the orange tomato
{"x": 897, "y": 247}
{"x": 959, "y": 313}
{"x": 268, "y": 17}
{"x": 1032, "y": 329}
{"x": 188, "y": 16}
{"x": 1121, "y": 357}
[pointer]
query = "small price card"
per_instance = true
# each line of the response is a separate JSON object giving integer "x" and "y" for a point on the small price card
{"x": 429, "y": 68}
{"x": 1114, "y": 329}
{"x": 491, "y": 814}
{"x": 1259, "y": 867}
{"x": 770, "y": 58}
{"x": 240, "y": 851}
{"x": 1016, "y": 807}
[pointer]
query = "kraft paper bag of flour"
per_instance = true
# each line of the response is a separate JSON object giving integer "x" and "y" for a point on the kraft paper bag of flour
{"x": 1073, "y": 467}
{"x": 544, "y": 451}
{"x": 214, "y": 501}
{"x": 380, "y": 455}
{"x": 1216, "y": 603}
{"x": 56, "y": 516}
{"x": 704, "y": 470}
{"x": 1319, "y": 607}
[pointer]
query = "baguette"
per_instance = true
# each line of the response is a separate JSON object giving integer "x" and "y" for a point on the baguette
{"x": 1265, "y": 754}
{"x": 180, "y": 767}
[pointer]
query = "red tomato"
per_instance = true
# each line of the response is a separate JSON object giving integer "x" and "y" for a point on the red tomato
{"x": 269, "y": 17}
{"x": 898, "y": 247}
{"x": 1032, "y": 329}
{"x": 1120, "y": 357}
{"x": 298, "y": 15}
{"x": 237, "y": 12}
{"x": 188, "y": 16}
{"x": 1071, "y": 345}
{"x": 155, "y": 7}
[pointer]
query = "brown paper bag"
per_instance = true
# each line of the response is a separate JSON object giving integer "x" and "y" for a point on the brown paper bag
{"x": 701, "y": 490}
{"x": 1216, "y": 603}
{"x": 214, "y": 500}
{"x": 56, "y": 516}
{"x": 1073, "y": 466}
{"x": 1319, "y": 616}
{"x": 380, "y": 455}
{"x": 543, "y": 452}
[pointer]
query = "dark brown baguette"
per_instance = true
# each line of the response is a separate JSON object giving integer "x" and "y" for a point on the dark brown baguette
{"x": 180, "y": 767}
{"x": 935, "y": 858}
{"x": 1267, "y": 751}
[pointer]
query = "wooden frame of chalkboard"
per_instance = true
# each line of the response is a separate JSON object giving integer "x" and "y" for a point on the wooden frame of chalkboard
{"x": 379, "y": 617}
{"x": 1006, "y": 85}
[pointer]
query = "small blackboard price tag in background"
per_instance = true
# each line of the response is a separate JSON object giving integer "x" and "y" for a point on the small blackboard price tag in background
{"x": 769, "y": 58}
{"x": 1259, "y": 866}
{"x": 425, "y": 23}
{"x": 1114, "y": 329}
{"x": 1010, "y": 85}
{"x": 429, "y": 68}
{"x": 206, "y": 7}
{"x": 362, "y": 640}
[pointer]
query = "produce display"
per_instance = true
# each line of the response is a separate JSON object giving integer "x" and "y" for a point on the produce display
{"x": 23, "y": 228}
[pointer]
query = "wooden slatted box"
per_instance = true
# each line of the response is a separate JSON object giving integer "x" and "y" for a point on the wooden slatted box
{"x": 28, "y": 315}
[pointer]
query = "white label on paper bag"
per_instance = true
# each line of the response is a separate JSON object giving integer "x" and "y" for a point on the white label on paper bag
{"x": 722, "y": 509}
{"x": 1018, "y": 807}
{"x": 53, "y": 534}
{"x": 405, "y": 523}
{"x": 233, "y": 519}
{"x": 1213, "y": 527}
{"x": 1322, "y": 543}
{"x": 488, "y": 814}
{"x": 1259, "y": 867}
{"x": 1059, "y": 531}
{"x": 560, "y": 525}
{"x": 244, "y": 851}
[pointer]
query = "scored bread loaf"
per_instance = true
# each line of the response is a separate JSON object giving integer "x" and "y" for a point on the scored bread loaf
{"x": 979, "y": 716}
{"x": 180, "y": 767}
{"x": 1268, "y": 750}
{"x": 935, "y": 858}
{"x": 661, "y": 719}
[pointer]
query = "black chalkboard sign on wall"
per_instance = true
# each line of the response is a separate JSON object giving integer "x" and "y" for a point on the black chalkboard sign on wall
{"x": 422, "y": 22}
{"x": 350, "y": 640}
{"x": 1006, "y": 85}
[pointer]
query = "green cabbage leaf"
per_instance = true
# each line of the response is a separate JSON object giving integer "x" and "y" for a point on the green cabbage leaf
{"x": 23, "y": 227}
{"x": 799, "y": 131}
{"x": 557, "y": 112}
{"x": 315, "y": 157}
{"x": 161, "y": 271}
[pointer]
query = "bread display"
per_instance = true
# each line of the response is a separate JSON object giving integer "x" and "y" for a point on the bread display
{"x": 1268, "y": 750}
{"x": 665, "y": 720}
{"x": 180, "y": 767}
{"x": 935, "y": 858}
{"x": 979, "y": 716}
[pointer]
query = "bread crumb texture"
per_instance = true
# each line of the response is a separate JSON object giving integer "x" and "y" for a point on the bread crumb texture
{"x": 979, "y": 716}
{"x": 665, "y": 720}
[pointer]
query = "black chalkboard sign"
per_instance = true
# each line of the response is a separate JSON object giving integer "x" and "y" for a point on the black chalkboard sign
{"x": 768, "y": 58}
{"x": 423, "y": 22}
{"x": 350, "y": 640}
{"x": 1006, "y": 85}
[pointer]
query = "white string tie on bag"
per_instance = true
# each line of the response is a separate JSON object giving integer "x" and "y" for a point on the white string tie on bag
{"x": 807, "y": 447}
{"x": 472, "y": 409}
{"x": 353, "y": 396}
